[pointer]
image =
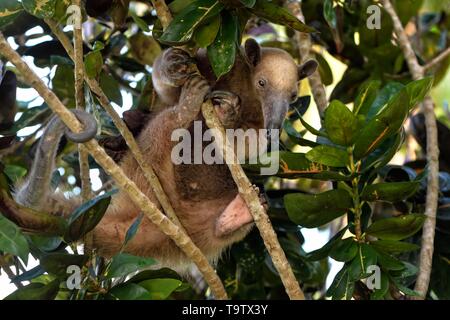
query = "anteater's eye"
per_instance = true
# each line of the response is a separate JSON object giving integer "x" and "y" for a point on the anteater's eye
{"x": 262, "y": 83}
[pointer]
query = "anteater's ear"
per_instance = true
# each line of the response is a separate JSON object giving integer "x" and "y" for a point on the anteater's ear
{"x": 252, "y": 52}
{"x": 307, "y": 69}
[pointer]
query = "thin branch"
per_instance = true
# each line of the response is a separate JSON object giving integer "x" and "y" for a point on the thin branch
{"x": 304, "y": 45}
{"x": 428, "y": 231}
{"x": 83, "y": 157}
{"x": 438, "y": 59}
{"x": 148, "y": 171}
{"x": 252, "y": 201}
{"x": 180, "y": 238}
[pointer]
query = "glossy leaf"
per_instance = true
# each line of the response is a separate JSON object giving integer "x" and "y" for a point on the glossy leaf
{"x": 340, "y": 123}
{"x": 130, "y": 291}
{"x": 314, "y": 210}
{"x": 366, "y": 256}
{"x": 328, "y": 156}
{"x": 9, "y": 10}
{"x": 329, "y": 13}
{"x": 345, "y": 250}
{"x": 396, "y": 228}
{"x": 323, "y": 252}
{"x": 276, "y": 14}
{"x": 183, "y": 25}
{"x": 390, "y": 191}
{"x": 56, "y": 263}
{"x": 40, "y": 8}
{"x": 222, "y": 52}
{"x": 366, "y": 96}
{"x": 392, "y": 246}
{"x": 93, "y": 62}
{"x": 341, "y": 287}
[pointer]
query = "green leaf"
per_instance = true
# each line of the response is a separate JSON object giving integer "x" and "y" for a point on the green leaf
{"x": 111, "y": 88}
{"x": 341, "y": 287}
{"x": 160, "y": 289}
{"x": 329, "y": 13}
{"x": 312, "y": 129}
{"x": 392, "y": 246}
{"x": 273, "y": 13}
{"x": 390, "y": 191}
{"x": 326, "y": 74}
{"x": 207, "y": 33}
{"x": 388, "y": 262}
{"x": 130, "y": 291}
{"x": 40, "y": 8}
{"x": 56, "y": 263}
{"x": 145, "y": 49}
{"x": 323, "y": 252}
{"x": 329, "y": 156}
{"x": 366, "y": 96}
{"x": 417, "y": 90}
{"x": 387, "y": 123}
{"x": 389, "y": 91}
{"x": 124, "y": 264}
{"x": 182, "y": 27}
{"x": 222, "y": 52}
{"x": 314, "y": 210}
{"x": 379, "y": 294}
{"x": 340, "y": 123}
{"x": 131, "y": 232}
{"x": 93, "y": 62}
{"x": 396, "y": 228}
{"x": 87, "y": 216}
{"x": 9, "y": 10}
{"x": 12, "y": 240}
{"x": 36, "y": 291}
{"x": 345, "y": 250}
{"x": 155, "y": 274}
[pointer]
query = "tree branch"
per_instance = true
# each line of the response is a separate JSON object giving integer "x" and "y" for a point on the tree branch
{"x": 180, "y": 238}
{"x": 427, "y": 107}
{"x": 304, "y": 46}
{"x": 252, "y": 201}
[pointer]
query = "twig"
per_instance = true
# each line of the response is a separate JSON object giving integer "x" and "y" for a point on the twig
{"x": 148, "y": 171}
{"x": 438, "y": 59}
{"x": 252, "y": 201}
{"x": 83, "y": 157}
{"x": 304, "y": 46}
{"x": 427, "y": 245}
{"x": 180, "y": 238}
{"x": 163, "y": 12}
